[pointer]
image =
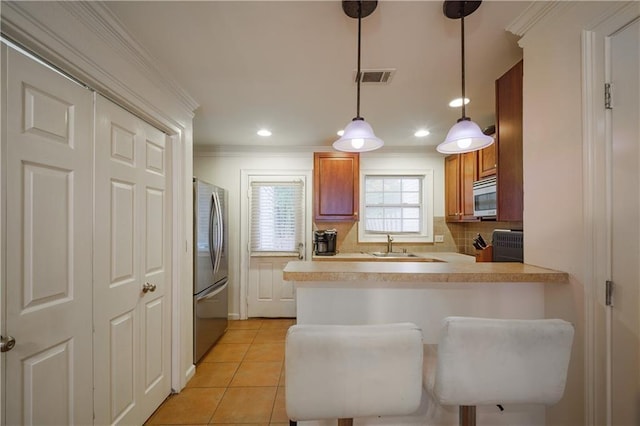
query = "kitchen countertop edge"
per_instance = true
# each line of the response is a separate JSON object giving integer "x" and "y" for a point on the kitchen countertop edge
{"x": 452, "y": 271}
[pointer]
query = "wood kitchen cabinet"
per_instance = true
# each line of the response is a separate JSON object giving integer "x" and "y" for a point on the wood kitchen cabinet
{"x": 503, "y": 158}
{"x": 460, "y": 172}
{"x": 487, "y": 163}
{"x": 336, "y": 186}
{"x": 509, "y": 145}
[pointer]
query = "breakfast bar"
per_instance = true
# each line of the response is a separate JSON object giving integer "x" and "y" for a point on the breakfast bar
{"x": 358, "y": 290}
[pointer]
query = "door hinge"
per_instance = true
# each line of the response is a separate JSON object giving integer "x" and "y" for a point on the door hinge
{"x": 608, "y": 293}
{"x": 607, "y": 96}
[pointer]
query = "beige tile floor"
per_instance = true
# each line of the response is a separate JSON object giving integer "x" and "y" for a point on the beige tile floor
{"x": 239, "y": 382}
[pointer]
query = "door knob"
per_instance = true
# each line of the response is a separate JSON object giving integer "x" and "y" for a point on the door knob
{"x": 148, "y": 287}
{"x": 7, "y": 343}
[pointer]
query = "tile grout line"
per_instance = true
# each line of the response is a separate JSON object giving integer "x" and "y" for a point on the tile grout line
{"x": 209, "y": 422}
{"x": 273, "y": 331}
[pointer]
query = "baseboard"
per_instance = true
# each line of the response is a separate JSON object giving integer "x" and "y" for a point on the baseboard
{"x": 191, "y": 371}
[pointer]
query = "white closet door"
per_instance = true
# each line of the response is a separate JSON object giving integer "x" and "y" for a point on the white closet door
{"x": 131, "y": 267}
{"x": 47, "y": 165}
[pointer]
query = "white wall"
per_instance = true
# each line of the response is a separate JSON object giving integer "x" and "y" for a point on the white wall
{"x": 224, "y": 169}
{"x": 554, "y": 222}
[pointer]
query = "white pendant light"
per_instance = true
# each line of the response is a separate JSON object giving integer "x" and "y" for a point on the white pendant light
{"x": 358, "y": 135}
{"x": 465, "y": 135}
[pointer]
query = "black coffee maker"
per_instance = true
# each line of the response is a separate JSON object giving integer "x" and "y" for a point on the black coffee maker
{"x": 324, "y": 242}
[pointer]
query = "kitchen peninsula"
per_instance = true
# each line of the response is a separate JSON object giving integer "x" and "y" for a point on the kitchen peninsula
{"x": 359, "y": 290}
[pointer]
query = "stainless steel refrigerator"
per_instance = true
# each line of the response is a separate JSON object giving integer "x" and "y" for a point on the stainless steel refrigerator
{"x": 210, "y": 266}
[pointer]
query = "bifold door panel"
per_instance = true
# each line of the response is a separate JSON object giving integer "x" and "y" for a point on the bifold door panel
{"x": 48, "y": 144}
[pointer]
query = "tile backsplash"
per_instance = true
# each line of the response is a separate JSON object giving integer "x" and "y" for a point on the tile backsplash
{"x": 347, "y": 241}
{"x": 458, "y": 237}
{"x": 464, "y": 232}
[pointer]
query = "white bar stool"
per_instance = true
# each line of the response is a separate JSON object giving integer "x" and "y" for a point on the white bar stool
{"x": 346, "y": 371}
{"x": 497, "y": 362}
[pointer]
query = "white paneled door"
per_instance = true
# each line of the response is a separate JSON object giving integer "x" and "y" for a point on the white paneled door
{"x": 624, "y": 74}
{"x": 47, "y": 162}
{"x": 269, "y": 295}
{"x": 277, "y": 229}
{"x": 131, "y": 267}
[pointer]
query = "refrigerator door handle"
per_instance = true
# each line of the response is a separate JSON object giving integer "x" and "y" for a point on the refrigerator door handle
{"x": 216, "y": 246}
{"x": 213, "y": 216}
{"x": 220, "y": 232}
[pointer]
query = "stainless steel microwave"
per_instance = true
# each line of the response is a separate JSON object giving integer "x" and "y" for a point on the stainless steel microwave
{"x": 485, "y": 200}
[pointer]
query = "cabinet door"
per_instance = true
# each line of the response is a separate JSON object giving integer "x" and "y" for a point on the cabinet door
{"x": 509, "y": 139}
{"x": 336, "y": 186}
{"x": 452, "y": 188}
{"x": 460, "y": 172}
{"x": 487, "y": 161}
{"x": 468, "y": 174}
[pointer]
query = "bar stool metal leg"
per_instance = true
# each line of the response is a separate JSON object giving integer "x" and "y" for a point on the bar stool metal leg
{"x": 467, "y": 415}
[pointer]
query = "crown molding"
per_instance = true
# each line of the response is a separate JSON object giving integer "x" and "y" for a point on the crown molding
{"x": 88, "y": 42}
{"x": 95, "y": 15}
{"x": 205, "y": 150}
{"x": 536, "y": 12}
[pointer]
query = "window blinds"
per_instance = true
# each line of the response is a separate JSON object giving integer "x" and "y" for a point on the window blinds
{"x": 277, "y": 215}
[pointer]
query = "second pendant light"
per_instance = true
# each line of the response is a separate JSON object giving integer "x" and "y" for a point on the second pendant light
{"x": 465, "y": 135}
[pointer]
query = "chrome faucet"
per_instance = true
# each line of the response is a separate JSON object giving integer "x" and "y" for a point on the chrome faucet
{"x": 389, "y": 244}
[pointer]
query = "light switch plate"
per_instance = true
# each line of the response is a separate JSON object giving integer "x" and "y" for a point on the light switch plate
{"x": 439, "y": 238}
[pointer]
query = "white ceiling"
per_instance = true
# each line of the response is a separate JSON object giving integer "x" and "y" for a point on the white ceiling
{"x": 289, "y": 66}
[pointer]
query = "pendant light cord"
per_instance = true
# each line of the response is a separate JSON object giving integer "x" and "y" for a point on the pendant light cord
{"x": 358, "y": 73}
{"x": 464, "y": 115}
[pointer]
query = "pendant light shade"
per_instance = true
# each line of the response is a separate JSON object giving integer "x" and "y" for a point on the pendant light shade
{"x": 465, "y": 135}
{"x": 358, "y": 135}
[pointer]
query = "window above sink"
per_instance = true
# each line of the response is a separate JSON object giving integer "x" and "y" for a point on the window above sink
{"x": 396, "y": 203}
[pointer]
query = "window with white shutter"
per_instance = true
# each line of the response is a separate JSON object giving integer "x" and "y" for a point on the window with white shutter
{"x": 277, "y": 217}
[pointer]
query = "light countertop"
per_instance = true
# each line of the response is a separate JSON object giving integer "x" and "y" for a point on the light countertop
{"x": 447, "y": 268}
{"x": 420, "y": 257}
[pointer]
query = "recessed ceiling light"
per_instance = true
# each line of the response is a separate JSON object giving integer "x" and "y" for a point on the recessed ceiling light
{"x": 421, "y": 133}
{"x": 264, "y": 132}
{"x": 458, "y": 102}
{"x": 340, "y": 132}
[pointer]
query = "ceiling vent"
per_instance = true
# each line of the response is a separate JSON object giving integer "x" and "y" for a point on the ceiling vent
{"x": 382, "y": 76}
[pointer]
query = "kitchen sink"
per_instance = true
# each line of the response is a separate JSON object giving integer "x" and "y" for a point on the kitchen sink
{"x": 397, "y": 257}
{"x": 392, "y": 254}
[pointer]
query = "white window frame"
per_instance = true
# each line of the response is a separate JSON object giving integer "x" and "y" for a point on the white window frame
{"x": 427, "y": 201}
{"x": 275, "y": 180}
